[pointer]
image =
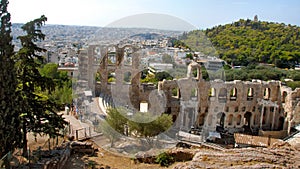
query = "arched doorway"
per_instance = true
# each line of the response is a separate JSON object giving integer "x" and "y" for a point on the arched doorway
{"x": 247, "y": 122}
{"x": 220, "y": 120}
{"x": 247, "y": 119}
{"x": 280, "y": 123}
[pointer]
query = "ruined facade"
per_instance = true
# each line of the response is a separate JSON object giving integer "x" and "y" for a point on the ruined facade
{"x": 235, "y": 106}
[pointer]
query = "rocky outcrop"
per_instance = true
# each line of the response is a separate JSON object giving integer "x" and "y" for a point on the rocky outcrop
{"x": 277, "y": 156}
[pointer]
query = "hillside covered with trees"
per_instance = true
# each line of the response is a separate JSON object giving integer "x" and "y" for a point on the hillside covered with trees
{"x": 249, "y": 41}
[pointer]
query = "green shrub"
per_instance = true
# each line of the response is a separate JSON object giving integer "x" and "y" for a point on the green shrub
{"x": 164, "y": 159}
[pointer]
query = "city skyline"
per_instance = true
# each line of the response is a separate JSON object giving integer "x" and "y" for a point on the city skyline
{"x": 201, "y": 14}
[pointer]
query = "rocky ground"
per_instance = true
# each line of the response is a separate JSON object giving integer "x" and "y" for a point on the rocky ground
{"x": 277, "y": 156}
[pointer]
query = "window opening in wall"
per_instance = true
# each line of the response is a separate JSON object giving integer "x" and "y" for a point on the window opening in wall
{"x": 284, "y": 94}
{"x": 236, "y": 109}
{"x": 212, "y": 94}
{"x": 174, "y": 118}
{"x": 238, "y": 120}
{"x": 243, "y": 108}
{"x": 143, "y": 107}
{"x": 176, "y": 92}
{"x": 127, "y": 78}
{"x": 264, "y": 116}
{"x": 222, "y": 95}
{"x": 250, "y": 94}
{"x": 206, "y": 110}
{"x": 233, "y": 94}
{"x": 220, "y": 119}
{"x": 267, "y": 93}
{"x": 230, "y": 120}
{"x": 280, "y": 123}
{"x": 247, "y": 119}
{"x": 112, "y": 58}
{"x": 128, "y": 56}
{"x": 253, "y": 108}
{"x": 111, "y": 77}
{"x": 226, "y": 109}
{"x": 194, "y": 93}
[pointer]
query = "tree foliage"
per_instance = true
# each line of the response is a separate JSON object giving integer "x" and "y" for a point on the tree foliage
{"x": 116, "y": 119}
{"x": 142, "y": 124}
{"x": 262, "y": 73}
{"x": 245, "y": 41}
{"x": 145, "y": 125}
{"x": 10, "y": 128}
{"x": 37, "y": 110}
{"x": 62, "y": 93}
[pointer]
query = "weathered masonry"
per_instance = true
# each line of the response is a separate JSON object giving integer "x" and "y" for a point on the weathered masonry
{"x": 236, "y": 106}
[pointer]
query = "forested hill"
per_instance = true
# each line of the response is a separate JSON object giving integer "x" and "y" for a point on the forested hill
{"x": 247, "y": 41}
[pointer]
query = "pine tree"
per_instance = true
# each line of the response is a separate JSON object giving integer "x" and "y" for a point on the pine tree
{"x": 38, "y": 111}
{"x": 10, "y": 128}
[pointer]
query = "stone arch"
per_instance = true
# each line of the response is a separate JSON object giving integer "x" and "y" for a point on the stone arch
{"x": 192, "y": 66}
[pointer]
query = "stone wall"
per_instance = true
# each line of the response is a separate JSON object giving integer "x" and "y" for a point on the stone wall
{"x": 235, "y": 106}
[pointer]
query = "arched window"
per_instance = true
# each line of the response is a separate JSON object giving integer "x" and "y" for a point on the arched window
{"x": 111, "y": 55}
{"x": 222, "y": 95}
{"x": 267, "y": 93}
{"x": 238, "y": 120}
{"x": 127, "y": 56}
{"x": 284, "y": 94}
{"x": 233, "y": 94}
{"x": 230, "y": 120}
{"x": 127, "y": 77}
{"x": 194, "y": 93}
{"x": 250, "y": 94}
{"x": 212, "y": 92}
{"x": 111, "y": 77}
{"x": 220, "y": 119}
{"x": 175, "y": 92}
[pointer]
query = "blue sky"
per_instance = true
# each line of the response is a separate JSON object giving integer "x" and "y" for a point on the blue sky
{"x": 200, "y": 13}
